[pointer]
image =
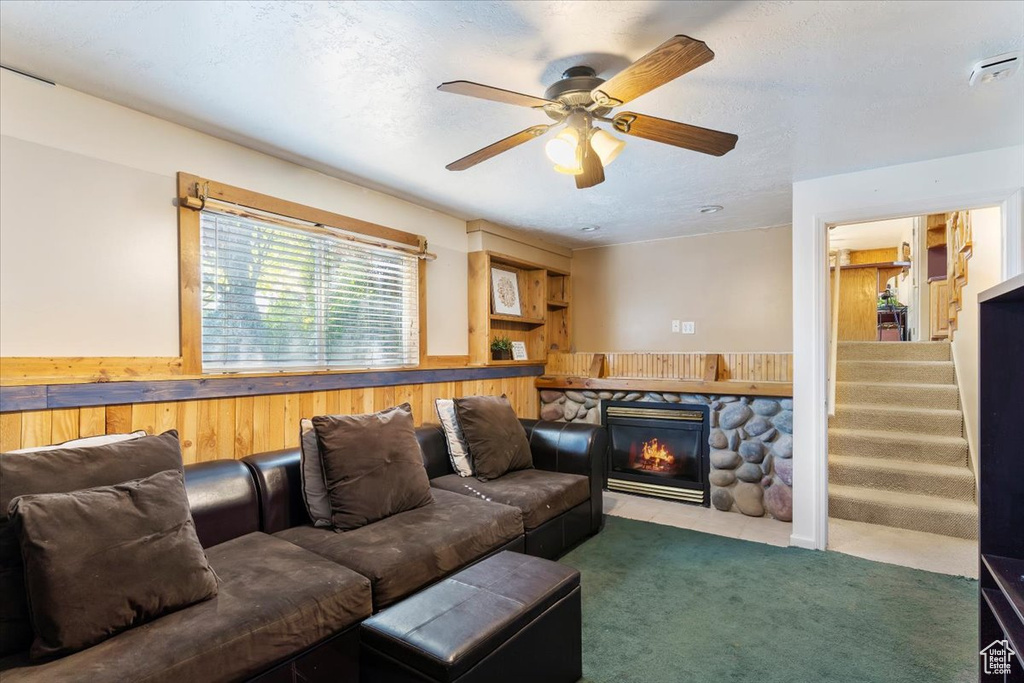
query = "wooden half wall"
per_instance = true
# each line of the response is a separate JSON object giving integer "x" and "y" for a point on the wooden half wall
{"x": 233, "y": 426}
{"x": 745, "y": 367}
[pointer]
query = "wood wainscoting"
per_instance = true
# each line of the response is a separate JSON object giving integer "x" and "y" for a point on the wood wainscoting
{"x": 743, "y": 367}
{"x": 236, "y": 426}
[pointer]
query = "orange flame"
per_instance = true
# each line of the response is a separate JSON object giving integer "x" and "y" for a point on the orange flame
{"x": 656, "y": 456}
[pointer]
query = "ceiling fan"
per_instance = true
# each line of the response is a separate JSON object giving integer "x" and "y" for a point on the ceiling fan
{"x": 580, "y": 99}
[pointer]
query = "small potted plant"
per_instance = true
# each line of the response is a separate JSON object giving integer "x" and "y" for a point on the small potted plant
{"x": 501, "y": 348}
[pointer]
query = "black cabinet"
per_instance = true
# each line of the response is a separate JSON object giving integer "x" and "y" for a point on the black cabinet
{"x": 1001, "y": 479}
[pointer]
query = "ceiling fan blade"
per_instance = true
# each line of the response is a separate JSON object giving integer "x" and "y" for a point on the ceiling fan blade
{"x": 674, "y": 133}
{"x": 487, "y": 92}
{"x": 670, "y": 60}
{"x": 593, "y": 170}
{"x": 498, "y": 147}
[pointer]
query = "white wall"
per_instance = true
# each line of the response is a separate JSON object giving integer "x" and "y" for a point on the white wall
{"x": 734, "y": 286}
{"x": 983, "y": 271}
{"x": 88, "y": 228}
{"x": 939, "y": 185}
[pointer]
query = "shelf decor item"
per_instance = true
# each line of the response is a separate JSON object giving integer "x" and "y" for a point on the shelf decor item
{"x": 519, "y": 350}
{"x": 501, "y": 348}
{"x": 505, "y": 292}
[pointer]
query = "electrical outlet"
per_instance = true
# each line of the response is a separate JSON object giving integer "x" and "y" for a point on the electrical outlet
{"x": 688, "y": 328}
{"x": 675, "y": 325}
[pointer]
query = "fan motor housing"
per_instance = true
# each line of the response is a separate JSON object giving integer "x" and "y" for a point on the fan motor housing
{"x": 574, "y": 89}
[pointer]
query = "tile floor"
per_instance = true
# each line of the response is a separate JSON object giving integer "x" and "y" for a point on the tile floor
{"x": 915, "y": 549}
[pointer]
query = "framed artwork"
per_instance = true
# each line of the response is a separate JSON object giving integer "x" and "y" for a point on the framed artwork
{"x": 519, "y": 350}
{"x": 505, "y": 292}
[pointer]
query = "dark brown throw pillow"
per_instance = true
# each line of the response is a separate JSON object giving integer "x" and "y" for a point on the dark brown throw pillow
{"x": 496, "y": 438}
{"x": 58, "y": 471}
{"x": 101, "y": 560}
{"x": 373, "y": 466}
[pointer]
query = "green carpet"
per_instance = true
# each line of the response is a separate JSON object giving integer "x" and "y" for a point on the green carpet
{"x": 662, "y": 604}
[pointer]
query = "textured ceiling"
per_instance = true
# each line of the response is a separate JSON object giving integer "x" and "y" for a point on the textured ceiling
{"x": 811, "y": 89}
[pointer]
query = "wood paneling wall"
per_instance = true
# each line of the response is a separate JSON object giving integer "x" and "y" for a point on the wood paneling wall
{"x": 238, "y": 426}
{"x": 752, "y": 367}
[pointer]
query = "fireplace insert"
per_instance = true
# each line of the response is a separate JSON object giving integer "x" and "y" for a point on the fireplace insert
{"x": 658, "y": 449}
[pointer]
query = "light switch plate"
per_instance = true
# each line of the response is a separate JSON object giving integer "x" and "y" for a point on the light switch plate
{"x": 688, "y": 328}
{"x": 675, "y": 325}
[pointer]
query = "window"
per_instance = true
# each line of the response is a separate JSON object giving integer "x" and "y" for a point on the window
{"x": 282, "y": 298}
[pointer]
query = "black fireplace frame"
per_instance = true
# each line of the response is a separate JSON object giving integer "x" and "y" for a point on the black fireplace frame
{"x": 651, "y": 483}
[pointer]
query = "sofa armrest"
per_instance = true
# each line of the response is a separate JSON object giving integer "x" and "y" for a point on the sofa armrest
{"x": 278, "y": 480}
{"x": 572, "y": 448}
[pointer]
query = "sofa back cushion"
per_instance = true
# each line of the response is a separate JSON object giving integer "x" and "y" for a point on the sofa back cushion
{"x": 496, "y": 438}
{"x": 101, "y": 560}
{"x": 372, "y": 465}
{"x": 314, "y": 487}
{"x": 59, "y": 471}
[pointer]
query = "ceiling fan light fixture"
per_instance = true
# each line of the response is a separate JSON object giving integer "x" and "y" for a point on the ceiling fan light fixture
{"x": 606, "y": 145}
{"x": 562, "y": 149}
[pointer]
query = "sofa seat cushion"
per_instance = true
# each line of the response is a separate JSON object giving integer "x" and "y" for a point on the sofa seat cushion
{"x": 274, "y": 601}
{"x": 541, "y": 495}
{"x": 404, "y": 552}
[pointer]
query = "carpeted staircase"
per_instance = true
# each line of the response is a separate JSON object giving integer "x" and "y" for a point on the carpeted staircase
{"x": 897, "y": 455}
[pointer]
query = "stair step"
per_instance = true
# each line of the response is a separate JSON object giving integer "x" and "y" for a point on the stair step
{"x": 946, "y": 481}
{"x": 941, "y": 396}
{"x": 904, "y": 372}
{"x": 904, "y": 511}
{"x": 898, "y": 419}
{"x": 869, "y": 350}
{"x": 938, "y": 450}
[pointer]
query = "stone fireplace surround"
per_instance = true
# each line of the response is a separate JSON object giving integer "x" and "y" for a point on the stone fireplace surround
{"x": 750, "y": 439}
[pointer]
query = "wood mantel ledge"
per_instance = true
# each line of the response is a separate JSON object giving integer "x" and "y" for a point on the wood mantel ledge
{"x": 725, "y": 387}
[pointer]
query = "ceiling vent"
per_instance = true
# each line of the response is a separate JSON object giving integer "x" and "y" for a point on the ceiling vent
{"x": 995, "y": 68}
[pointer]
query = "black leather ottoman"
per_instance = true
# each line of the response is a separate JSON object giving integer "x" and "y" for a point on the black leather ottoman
{"x": 511, "y": 617}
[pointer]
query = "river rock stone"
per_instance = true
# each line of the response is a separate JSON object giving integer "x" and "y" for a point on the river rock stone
{"x": 718, "y": 439}
{"x": 758, "y": 425}
{"x": 570, "y": 410}
{"x": 784, "y": 471}
{"x": 593, "y": 416}
{"x": 734, "y": 441}
{"x": 749, "y": 472}
{"x": 748, "y": 499}
{"x": 654, "y": 396}
{"x": 786, "y": 404}
{"x": 721, "y": 499}
{"x": 671, "y": 398}
{"x": 765, "y": 406}
{"x": 735, "y": 415}
{"x": 618, "y": 395}
{"x": 769, "y": 435}
{"x": 766, "y": 482}
{"x": 784, "y": 421}
{"x": 548, "y": 396}
{"x": 589, "y": 402}
{"x": 632, "y": 396}
{"x": 742, "y": 432}
{"x": 552, "y": 411}
{"x": 606, "y": 395}
{"x": 576, "y": 396}
{"x": 587, "y": 393}
{"x": 700, "y": 398}
{"x": 778, "y": 498}
{"x": 766, "y": 465}
{"x": 714, "y": 418}
{"x": 725, "y": 460}
{"x": 721, "y": 477}
{"x": 752, "y": 451}
{"x": 728, "y": 399}
{"x": 783, "y": 448}
{"x": 716, "y": 405}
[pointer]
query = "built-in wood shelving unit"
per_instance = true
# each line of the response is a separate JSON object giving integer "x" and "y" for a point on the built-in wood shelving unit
{"x": 545, "y": 296}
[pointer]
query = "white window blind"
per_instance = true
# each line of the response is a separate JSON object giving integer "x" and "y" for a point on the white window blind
{"x": 277, "y": 298}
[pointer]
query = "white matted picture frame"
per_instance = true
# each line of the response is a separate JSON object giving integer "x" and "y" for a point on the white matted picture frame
{"x": 505, "y": 292}
{"x": 519, "y": 350}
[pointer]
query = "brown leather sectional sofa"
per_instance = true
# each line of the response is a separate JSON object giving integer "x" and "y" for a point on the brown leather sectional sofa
{"x": 291, "y": 596}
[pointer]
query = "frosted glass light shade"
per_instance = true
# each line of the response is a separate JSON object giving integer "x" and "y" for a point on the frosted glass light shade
{"x": 562, "y": 150}
{"x": 606, "y": 145}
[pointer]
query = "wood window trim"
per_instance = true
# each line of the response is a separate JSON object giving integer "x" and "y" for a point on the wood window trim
{"x": 190, "y": 261}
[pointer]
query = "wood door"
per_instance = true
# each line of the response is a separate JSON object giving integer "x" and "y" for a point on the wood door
{"x": 938, "y": 298}
{"x": 858, "y": 304}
